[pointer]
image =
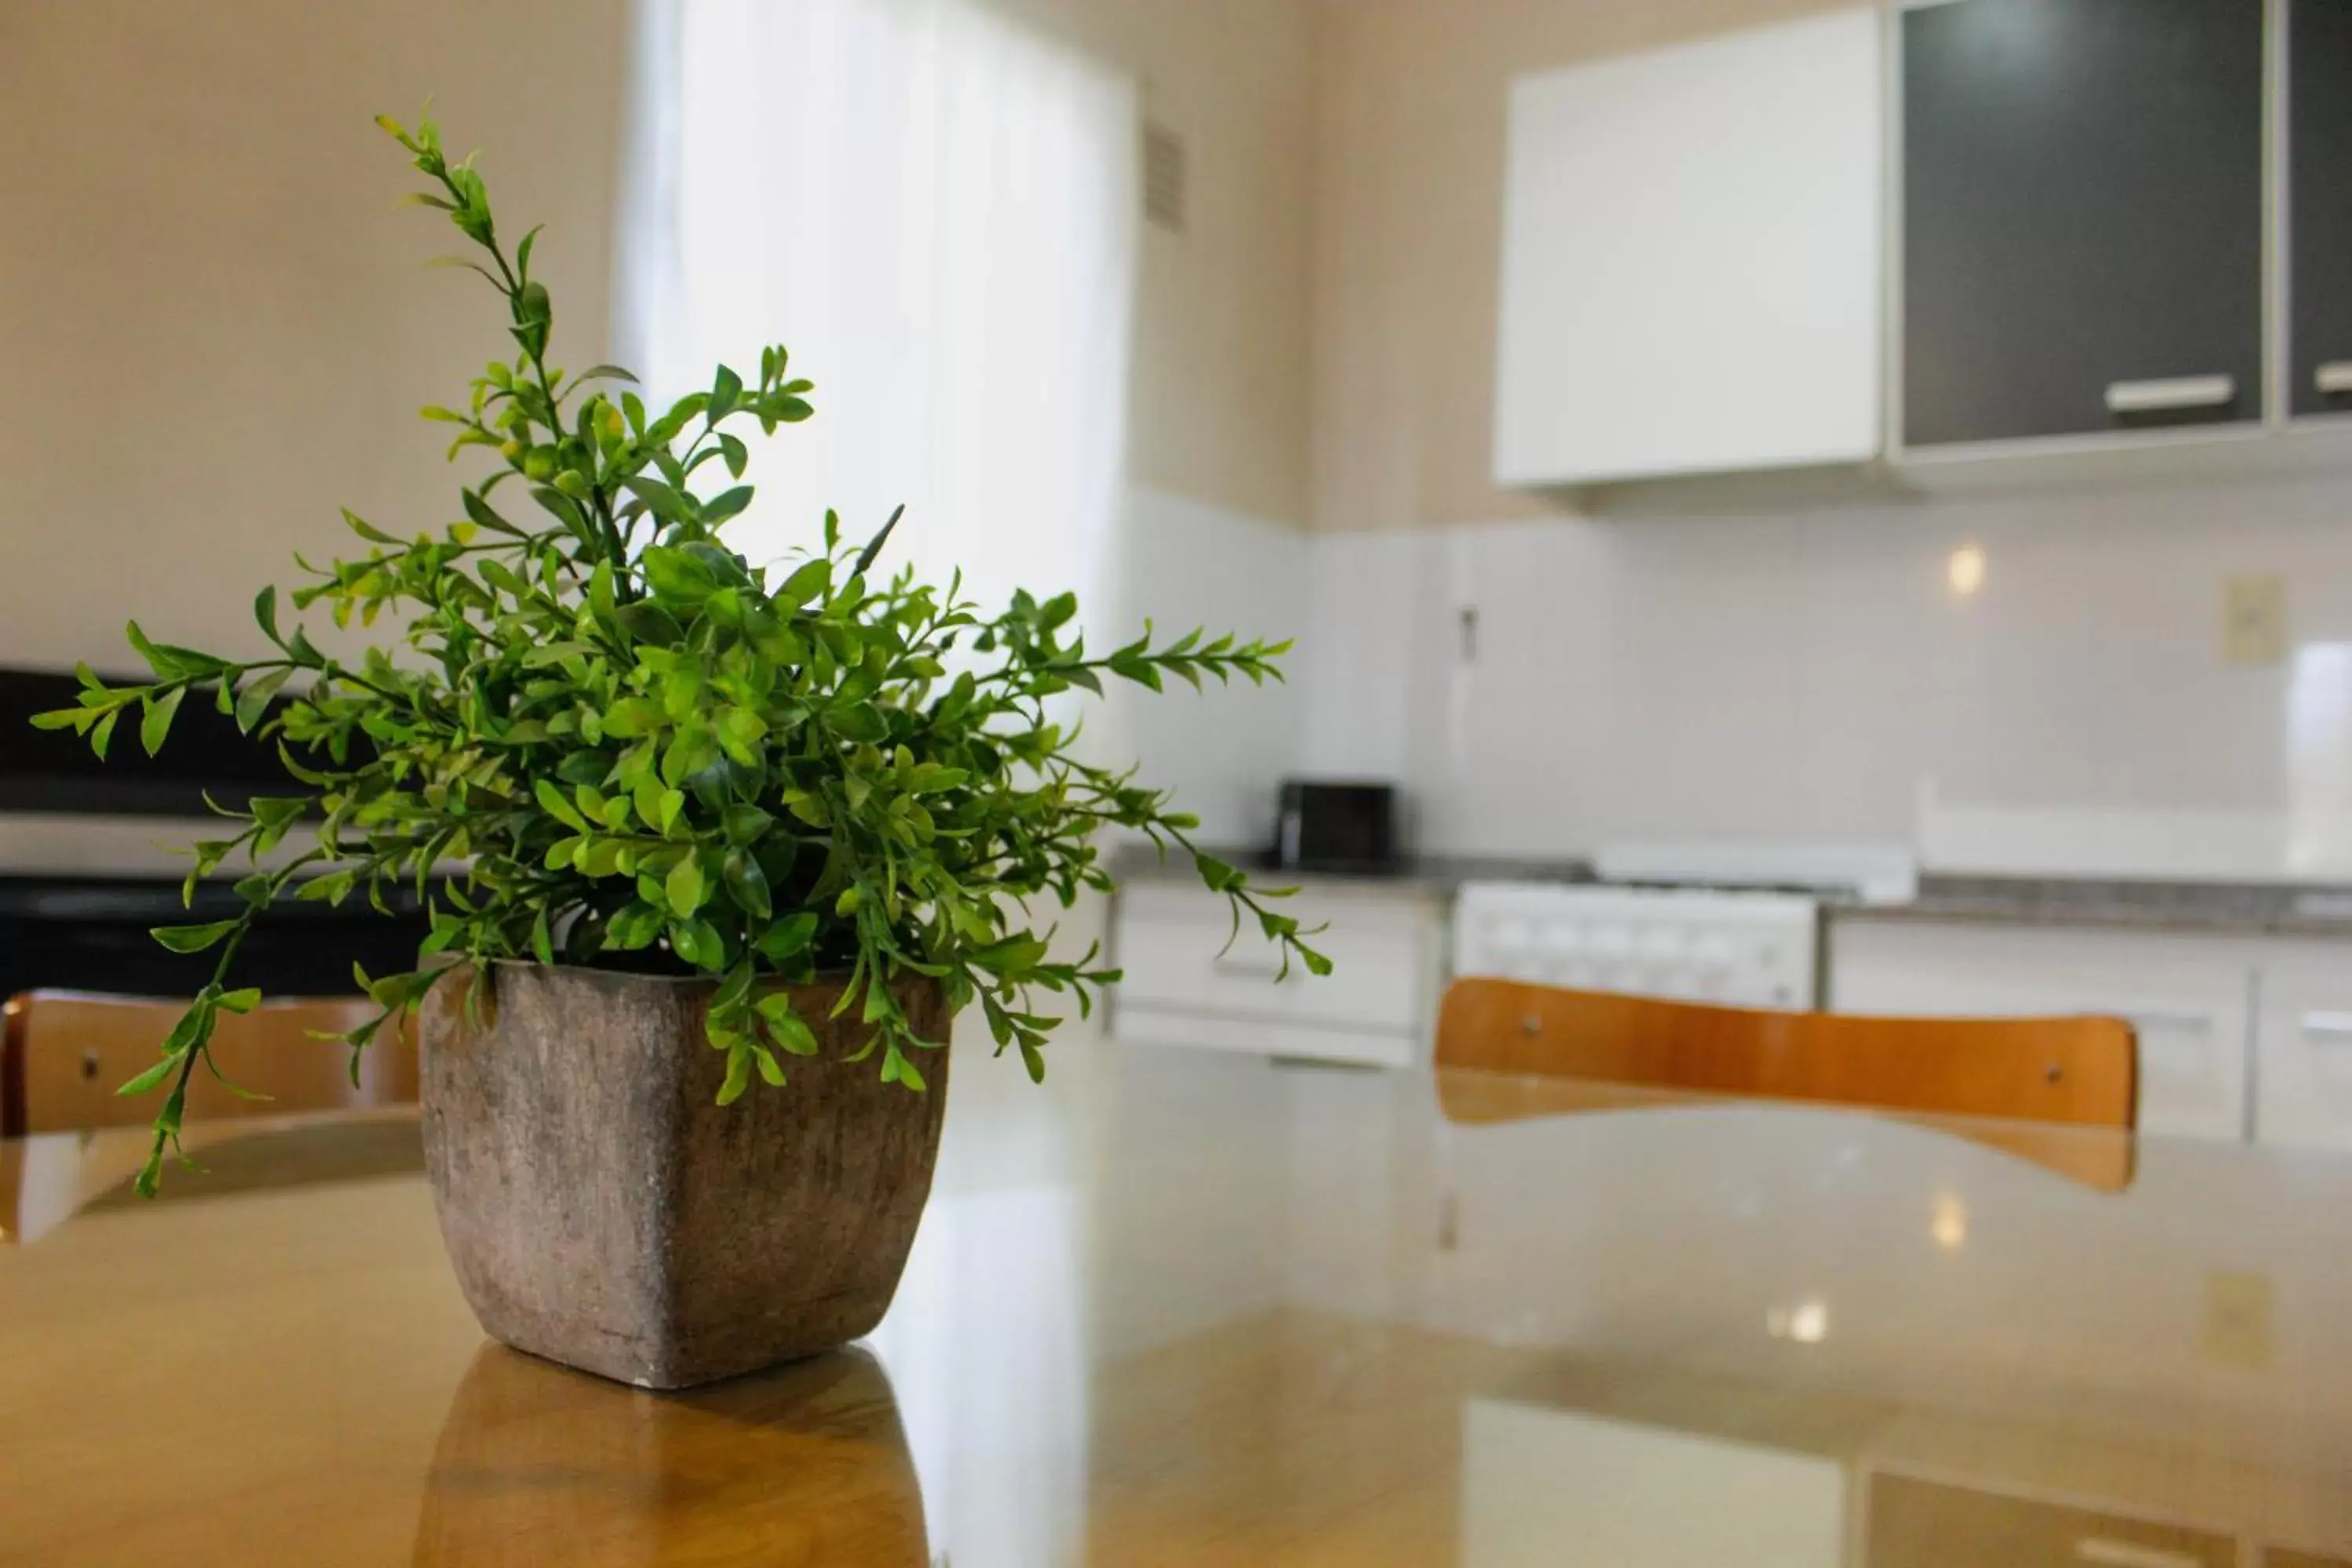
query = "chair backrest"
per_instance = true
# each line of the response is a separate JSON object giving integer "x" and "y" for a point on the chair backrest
{"x": 2082, "y": 1071}
{"x": 64, "y": 1053}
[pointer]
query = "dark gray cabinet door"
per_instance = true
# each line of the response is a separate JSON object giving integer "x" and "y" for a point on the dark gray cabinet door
{"x": 2082, "y": 210}
{"x": 2319, "y": 223}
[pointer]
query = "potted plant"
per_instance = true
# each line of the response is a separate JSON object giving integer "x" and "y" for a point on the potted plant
{"x": 683, "y": 822}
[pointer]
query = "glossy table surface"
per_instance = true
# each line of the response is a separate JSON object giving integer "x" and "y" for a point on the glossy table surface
{"x": 1190, "y": 1307}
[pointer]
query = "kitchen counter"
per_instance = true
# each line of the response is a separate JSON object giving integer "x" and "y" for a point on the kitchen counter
{"x": 1438, "y": 875}
{"x": 2240, "y": 908}
{"x": 2227, "y": 909}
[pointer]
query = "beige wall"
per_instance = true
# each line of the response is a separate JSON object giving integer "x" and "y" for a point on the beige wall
{"x": 1220, "y": 388}
{"x": 1408, "y": 148}
{"x": 215, "y": 325}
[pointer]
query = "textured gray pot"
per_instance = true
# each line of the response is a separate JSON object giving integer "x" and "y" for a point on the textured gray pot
{"x": 602, "y": 1211}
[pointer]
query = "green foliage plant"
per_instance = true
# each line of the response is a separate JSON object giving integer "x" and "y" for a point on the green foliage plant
{"x": 611, "y": 740}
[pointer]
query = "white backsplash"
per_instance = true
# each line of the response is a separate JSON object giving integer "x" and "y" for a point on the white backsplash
{"x": 1184, "y": 563}
{"x": 1813, "y": 677}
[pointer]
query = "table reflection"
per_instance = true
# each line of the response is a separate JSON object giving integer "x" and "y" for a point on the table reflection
{"x": 1571, "y": 1487}
{"x": 537, "y": 1464}
{"x": 2100, "y": 1158}
{"x": 987, "y": 1347}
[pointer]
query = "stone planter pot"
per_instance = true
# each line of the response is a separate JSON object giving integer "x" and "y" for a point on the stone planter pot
{"x": 600, "y": 1208}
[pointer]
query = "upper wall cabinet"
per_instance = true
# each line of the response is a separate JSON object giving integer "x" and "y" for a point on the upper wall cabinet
{"x": 2083, "y": 214}
{"x": 1692, "y": 259}
{"x": 2319, "y": 206}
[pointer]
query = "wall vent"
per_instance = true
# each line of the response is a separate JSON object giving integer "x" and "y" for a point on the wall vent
{"x": 1163, "y": 178}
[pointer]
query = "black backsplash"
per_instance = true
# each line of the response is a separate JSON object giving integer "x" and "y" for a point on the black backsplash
{"x": 90, "y": 932}
{"x": 74, "y": 934}
{"x": 55, "y": 770}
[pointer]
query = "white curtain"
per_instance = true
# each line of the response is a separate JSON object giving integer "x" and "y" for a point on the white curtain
{"x": 934, "y": 209}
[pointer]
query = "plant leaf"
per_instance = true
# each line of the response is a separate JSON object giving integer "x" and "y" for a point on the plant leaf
{"x": 685, "y": 888}
{"x": 156, "y": 721}
{"x": 785, "y": 1026}
{"x": 788, "y": 937}
{"x": 195, "y": 938}
{"x": 151, "y": 1077}
{"x": 254, "y": 698}
{"x": 745, "y": 823}
{"x": 747, "y": 885}
{"x": 738, "y": 1074}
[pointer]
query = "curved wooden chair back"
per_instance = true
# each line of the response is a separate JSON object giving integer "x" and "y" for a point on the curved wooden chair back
{"x": 64, "y": 1053}
{"x": 2078, "y": 1071}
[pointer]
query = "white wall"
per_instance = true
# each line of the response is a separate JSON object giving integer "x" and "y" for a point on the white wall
{"x": 216, "y": 324}
{"x": 1803, "y": 674}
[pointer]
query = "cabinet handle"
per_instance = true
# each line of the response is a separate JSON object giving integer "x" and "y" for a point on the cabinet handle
{"x": 1249, "y": 968}
{"x": 2110, "y": 1553}
{"x": 2333, "y": 378}
{"x": 2171, "y": 393}
{"x": 2335, "y": 1028}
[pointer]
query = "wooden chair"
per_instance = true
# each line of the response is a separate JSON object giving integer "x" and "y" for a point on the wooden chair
{"x": 2080, "y": 1072}
{"x": 2062, "y": 1092}
{"x": 64, "y": 1053}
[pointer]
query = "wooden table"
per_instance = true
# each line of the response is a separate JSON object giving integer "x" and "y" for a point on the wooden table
{"x": 1186, "y": 1308}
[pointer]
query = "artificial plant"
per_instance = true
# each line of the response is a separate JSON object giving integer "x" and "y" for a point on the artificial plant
{"x": 610, "y": 739}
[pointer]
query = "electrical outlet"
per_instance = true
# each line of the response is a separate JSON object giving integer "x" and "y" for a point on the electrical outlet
{"x": 2237, "y": 1319}
{"x": 2253, "y": 620}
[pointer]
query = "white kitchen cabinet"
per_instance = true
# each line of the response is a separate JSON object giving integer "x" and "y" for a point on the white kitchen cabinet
{"x": 1185, "y": 987}
{"x": 1692, "y": 259}
{"x": 2303, "y": 1045}
{"x": 2190, "y": 997}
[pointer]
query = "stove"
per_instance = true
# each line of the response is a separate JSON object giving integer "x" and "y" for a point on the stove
{"x": 1738, "y": 948}
{"x": 1737, "y": 924}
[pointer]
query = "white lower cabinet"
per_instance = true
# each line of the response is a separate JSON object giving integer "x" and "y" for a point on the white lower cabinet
{"x": 2239, "y": 1036}
{"x": 2191, "y": 998}
{"x": 2303, "y": 1034}
{"x": 1184, "y": 986}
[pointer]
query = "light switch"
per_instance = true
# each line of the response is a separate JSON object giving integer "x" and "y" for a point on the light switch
{"x": 2253, "y": 620}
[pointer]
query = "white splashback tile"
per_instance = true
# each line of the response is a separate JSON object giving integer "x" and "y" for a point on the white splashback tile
{"x": 1799, "y": 676}
{"x": 1359, "y": 643}
{"x": 1183, "y": 563}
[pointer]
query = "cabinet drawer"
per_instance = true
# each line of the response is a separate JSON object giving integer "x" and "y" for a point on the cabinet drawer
{"x": 2302, "y": 1047}
{"x": 2082, "y": 216}
{"x": 1921, "y": 1524}
{"x": 1171, "y": 945}
{"x": 2189, "y": 998}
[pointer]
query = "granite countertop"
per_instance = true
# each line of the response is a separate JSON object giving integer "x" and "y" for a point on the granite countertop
{"x": 2246, "y": 909}
{"x": 1439, "y": 874}
{"x": 2227, "y": 909}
